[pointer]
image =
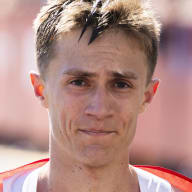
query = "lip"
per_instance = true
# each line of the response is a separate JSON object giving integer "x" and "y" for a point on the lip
{"x": 96, "y": 132}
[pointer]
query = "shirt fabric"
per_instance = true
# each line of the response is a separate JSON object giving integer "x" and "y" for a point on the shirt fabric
{"x": 27, "y": 182}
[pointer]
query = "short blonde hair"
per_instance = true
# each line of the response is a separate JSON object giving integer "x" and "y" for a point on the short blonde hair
{"x": 135, "y": 17}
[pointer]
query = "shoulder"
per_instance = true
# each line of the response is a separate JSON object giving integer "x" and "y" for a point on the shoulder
{"x": 178, "y": 181}
{"x": 150, "y": 182}
{"x": 16, "y": 176}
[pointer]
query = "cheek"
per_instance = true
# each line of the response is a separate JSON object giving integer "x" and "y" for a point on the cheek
{"x": 128, "y": 121}
{"x": 70, "y": 110}
{"x": 129, "y": 128}
{"x": 130, "y": 108}
{"x": 129, "y": 115}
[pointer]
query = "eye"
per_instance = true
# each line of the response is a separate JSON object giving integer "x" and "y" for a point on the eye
{"x": 79, "y": 82}
{"x": 122, "y": 85}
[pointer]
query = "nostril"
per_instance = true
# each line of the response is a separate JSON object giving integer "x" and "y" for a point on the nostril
{"x": 98, "y": 111}
{"x": 100, "y": 105}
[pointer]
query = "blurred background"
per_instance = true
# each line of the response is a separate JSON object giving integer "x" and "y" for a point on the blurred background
{"x": 164, "y": 133}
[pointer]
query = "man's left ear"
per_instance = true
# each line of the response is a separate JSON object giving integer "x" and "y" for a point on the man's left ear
{"x": 149, "y": 93}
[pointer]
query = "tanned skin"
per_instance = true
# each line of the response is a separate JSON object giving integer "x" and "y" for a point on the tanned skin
{"x": 94, "y": 94}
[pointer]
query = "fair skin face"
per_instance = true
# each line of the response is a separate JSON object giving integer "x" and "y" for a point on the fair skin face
{"x": 94, "y": 95}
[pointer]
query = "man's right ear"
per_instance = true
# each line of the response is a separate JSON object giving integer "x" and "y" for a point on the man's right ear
{"x": 39, "y": 88}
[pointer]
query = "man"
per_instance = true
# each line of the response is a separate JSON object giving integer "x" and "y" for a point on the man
{"x": 96, "y": 60}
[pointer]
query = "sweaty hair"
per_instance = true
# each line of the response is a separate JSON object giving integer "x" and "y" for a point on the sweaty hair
{"x": 134, "y": 17}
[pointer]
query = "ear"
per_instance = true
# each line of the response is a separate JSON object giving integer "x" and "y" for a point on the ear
{"x": 149, "y": 93}
{"x": 39, "y": 88}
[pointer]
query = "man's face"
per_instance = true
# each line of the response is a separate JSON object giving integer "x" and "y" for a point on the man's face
{"x": 94, "y": 94}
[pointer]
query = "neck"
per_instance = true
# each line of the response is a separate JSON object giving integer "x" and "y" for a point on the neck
{"x": 65, "y": 174}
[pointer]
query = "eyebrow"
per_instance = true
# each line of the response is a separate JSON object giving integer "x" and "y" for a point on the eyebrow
{"x": 114, "y": 74}
{"x": 79, "y": 73}
{"x": 124, "y": 75}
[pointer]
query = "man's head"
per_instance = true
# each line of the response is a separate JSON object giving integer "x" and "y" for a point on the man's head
{"x": 95, "y": 87}
{"x": 133, "y": 17}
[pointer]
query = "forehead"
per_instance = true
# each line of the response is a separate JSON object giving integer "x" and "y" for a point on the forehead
{"x": 113, "y": 50}
{"x": 69, "y": 40}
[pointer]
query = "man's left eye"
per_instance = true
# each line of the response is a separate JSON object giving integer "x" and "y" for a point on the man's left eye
{"x": 121, "y": 85}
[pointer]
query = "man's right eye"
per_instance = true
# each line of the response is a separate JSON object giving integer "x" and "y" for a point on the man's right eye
{"x": 78, "y": 82}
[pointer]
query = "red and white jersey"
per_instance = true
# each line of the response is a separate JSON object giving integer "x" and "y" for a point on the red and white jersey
{"x": 151, "y": 179}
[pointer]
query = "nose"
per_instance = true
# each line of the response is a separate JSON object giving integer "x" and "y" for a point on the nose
{"x": 100, "y": 105}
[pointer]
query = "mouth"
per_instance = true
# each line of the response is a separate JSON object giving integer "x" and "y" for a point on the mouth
{"x": 96, "y": 132}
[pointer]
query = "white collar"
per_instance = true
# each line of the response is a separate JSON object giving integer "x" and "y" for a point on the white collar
{"x": 147, "y": 182}
{"x": 30, "y": 183}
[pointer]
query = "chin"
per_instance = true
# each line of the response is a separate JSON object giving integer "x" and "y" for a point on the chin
{"x": 94, "y": 156}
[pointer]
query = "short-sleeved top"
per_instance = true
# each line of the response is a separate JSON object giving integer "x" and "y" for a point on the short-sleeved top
{"x": 27, "y": 182}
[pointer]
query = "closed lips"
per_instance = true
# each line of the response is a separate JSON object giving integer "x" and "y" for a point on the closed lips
{"x": 96, "y": 131}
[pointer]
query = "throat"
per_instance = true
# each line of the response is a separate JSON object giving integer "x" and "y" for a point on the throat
{"x": 84, "y": 181}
